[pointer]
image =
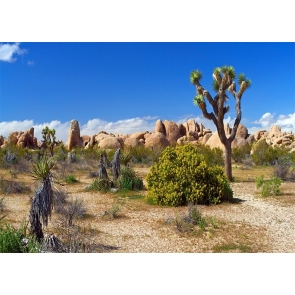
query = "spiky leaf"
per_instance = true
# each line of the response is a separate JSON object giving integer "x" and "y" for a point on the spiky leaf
{"x": 195, "y": 76}
{"x": 42, "y": 169}
{"x": 215, "y": 85}
{"x": 198, "y": 99}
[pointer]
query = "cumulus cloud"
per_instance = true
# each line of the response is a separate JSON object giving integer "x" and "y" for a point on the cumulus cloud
{"x": 93, "y": 126}
{"x": 126, "y": 126}
{"x": 7, "y": 51}
{"x": 286, "y": 122}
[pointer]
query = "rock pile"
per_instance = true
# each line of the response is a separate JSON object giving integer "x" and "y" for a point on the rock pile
{"x": 165, "y": 134}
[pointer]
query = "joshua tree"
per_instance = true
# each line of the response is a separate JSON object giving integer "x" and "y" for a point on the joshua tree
{"x": 223, "y": 80}
{"x": 102, "y": 172}
{"x": 116, "y": 164}
{"x": 42, "y": 202}
{"x": 49, "y": 138}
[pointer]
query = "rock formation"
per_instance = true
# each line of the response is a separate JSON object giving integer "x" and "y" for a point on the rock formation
{"x": 74, "y": 138}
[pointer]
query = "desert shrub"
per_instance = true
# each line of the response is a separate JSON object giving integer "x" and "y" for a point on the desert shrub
{"x": 2, "y": 204}
{"x": 128, "y": 179}
{"x": 100, "y": 185}
{"x": 182, "y": 175}
{"x": 13, "y": 240}
{"x": 70, "y": 178}
{"x": 283, "y": 167}
{"x": 70, "y": 210}
{"x": 112, "y": 212}
{"x": 269, "y": 187}
{"x": 13, "y": 187}
{"x": 212, "y": 156}
{"x": 264, "y": 154}
{"x": 241, "y": 153}
{"x": 187, "y": 222}
{"x": 144, "y": 155}
{"x": 125, "y": 157}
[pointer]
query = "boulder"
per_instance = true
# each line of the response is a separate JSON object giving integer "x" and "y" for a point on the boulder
{"x": 111, "y": 143}
{"x": 242, "y": 131}
{"x": 160, "y": 127}
{"x": 172, "y": 131}
{"x": 274, "y": 131}
{"x": 26, "y": 139}
{"x": 182, "y": 130}
{"x": 157, "y": 140}
{"x": 74, "y": 138}
{"x": 250, "y": 139}
{"x": 138, "y": 135}
{"x": 259, "y": 134}
{"x": 85, "y": 139}
{"x": 205, "y": 138}
{"x": 132, "y": 142}
{"x": 239, "y": 142}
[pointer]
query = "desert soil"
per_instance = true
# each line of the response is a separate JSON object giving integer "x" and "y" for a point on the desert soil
{"x": 260, "y": 224}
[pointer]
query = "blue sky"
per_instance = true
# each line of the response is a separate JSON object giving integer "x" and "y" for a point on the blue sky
{"x": 125, "y": 87}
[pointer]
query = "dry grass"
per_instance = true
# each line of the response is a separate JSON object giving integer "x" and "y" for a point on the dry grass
{"x": 140, "y": 227}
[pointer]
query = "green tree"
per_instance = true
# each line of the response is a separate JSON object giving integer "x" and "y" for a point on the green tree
{"x": 223, "y": 81}
{"x": 49, "y": 138}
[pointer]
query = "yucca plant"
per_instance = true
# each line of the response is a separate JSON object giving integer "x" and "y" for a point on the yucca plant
{"x": 42, "y": 202}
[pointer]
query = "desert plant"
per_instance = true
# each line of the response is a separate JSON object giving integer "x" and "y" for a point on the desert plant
{"x": 128, "y": 179}
{"x": 212, "y": 156}
{"x": 223, "y": 81}
{"x": 71, "y": 210}
{"x": 13, "y": 240}
{"x": 100, "y": 185}
{"x": 2, "y": 204}
{"x": 264, "y": 154}
{"x": 70, "y": 178}
{"x": 269, "y": 187}
{"x": 42, "y": 202}
{"x": 181, "y": 176}
{"x": 125, "y": 157}
{"x": 49, "y": 138}
{"x": 116, "y": 164}
{"x": 240, "y": 153}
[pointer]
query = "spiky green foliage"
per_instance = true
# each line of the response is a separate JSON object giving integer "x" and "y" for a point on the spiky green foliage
{"x": 242, "y": 78}
{"x": 125, "y": 157}
{"x": 198, "y": 99}
{"x": 42, "y": 169}
{"x": 215, "y": 85}
{"x": 195, "y": 76}
{"x": 128, "y": 179}
{"x": 231, "y": 72}
{"x": 182, "y": 175}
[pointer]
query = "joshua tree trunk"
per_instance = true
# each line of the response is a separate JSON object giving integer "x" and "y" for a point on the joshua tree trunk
{"x": 227, "y": 161}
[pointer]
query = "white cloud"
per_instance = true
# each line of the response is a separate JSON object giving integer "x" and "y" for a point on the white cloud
{"x": 93, "y": 126}
{"x": 7, "y": 51}
{"x": 30, "y": 63}
{"x": 126, "y": 126}
{"x": 286, "y": 122}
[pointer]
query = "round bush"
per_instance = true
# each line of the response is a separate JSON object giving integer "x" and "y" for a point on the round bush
{"x": 181, "y": 176}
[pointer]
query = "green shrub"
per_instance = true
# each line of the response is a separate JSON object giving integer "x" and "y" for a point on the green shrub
{"x": 264, "y": 154}
{"x": 240, "y": 153}
{"x": 71, "y": 179}
{"x": 13, "y": 240}
{"x": 212, "y": 156}
{"x": 182, "y": 175}
{"x": 128, "y": 180}
{"x": 269, "y": 187}
{"x": 100, "y": 185}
